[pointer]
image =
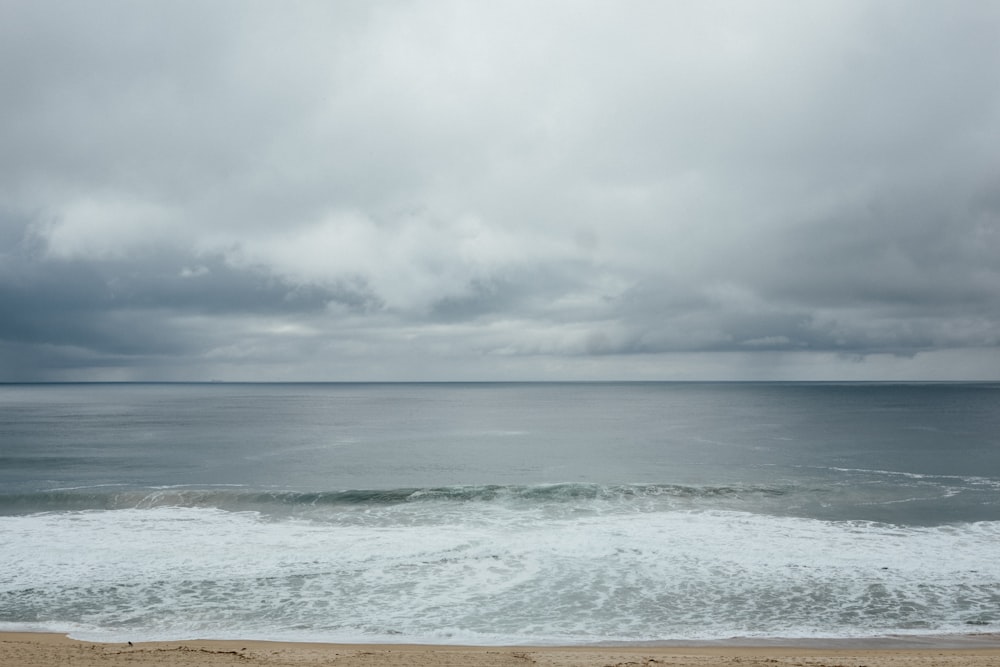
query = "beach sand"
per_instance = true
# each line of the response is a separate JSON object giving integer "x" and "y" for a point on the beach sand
{"x": 46, "y": 650}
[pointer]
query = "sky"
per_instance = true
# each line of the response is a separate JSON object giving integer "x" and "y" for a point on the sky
{"x": 514, "y": 190}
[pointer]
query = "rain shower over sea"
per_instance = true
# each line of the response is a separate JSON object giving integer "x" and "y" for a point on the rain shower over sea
{"x": 500, "y": 513}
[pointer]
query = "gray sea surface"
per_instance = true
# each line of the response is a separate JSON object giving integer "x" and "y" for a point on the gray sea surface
{"x": 501, "y": 512}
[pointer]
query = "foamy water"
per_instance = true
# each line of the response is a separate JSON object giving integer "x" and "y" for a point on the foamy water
{"x": 491, "y": 571}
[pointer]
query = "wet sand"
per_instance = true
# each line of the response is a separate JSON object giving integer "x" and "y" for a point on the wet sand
{"x": 47, "y": 650}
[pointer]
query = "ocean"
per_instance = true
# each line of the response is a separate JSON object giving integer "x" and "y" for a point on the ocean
{"x": 482, "y": 513}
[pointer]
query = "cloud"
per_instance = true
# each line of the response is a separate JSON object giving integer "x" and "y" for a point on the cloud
{"x": 435, "y": 190}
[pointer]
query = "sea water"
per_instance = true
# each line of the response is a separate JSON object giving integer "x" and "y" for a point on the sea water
{"x": 500, "y": 513}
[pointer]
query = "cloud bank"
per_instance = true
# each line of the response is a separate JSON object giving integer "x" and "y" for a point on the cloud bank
{"x": 518, "y": 190}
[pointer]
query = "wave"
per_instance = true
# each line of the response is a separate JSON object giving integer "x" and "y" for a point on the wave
{"x": 972, "y": 480}
{"x": 894, "y": 499}
{"x": 241, "y": 498}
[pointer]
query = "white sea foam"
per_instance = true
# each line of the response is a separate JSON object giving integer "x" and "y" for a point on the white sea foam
{"x": 491, "y": 573}
{"x": 973, "y": 480}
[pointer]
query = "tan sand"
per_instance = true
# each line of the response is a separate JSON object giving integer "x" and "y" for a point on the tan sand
{"x": 47, "y": 650}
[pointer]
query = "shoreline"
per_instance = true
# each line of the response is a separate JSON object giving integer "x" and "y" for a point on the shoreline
{"x": 38, "y": 649}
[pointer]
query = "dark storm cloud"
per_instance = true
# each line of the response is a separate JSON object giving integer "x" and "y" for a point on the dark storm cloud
{"x": 434, "y": 190}
{"x": 131, "y": 313}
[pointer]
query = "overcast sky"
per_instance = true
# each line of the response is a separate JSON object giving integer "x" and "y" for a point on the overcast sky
{"x": 499, "y": 190}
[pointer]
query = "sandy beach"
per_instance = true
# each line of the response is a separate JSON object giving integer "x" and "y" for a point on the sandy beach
{"x": 46, "y": 650}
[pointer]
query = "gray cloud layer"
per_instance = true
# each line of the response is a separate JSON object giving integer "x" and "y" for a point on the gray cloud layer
{"x": 451, "y": 190}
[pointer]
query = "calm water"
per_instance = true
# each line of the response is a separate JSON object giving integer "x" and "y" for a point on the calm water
{"x": 500, "y": 513}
